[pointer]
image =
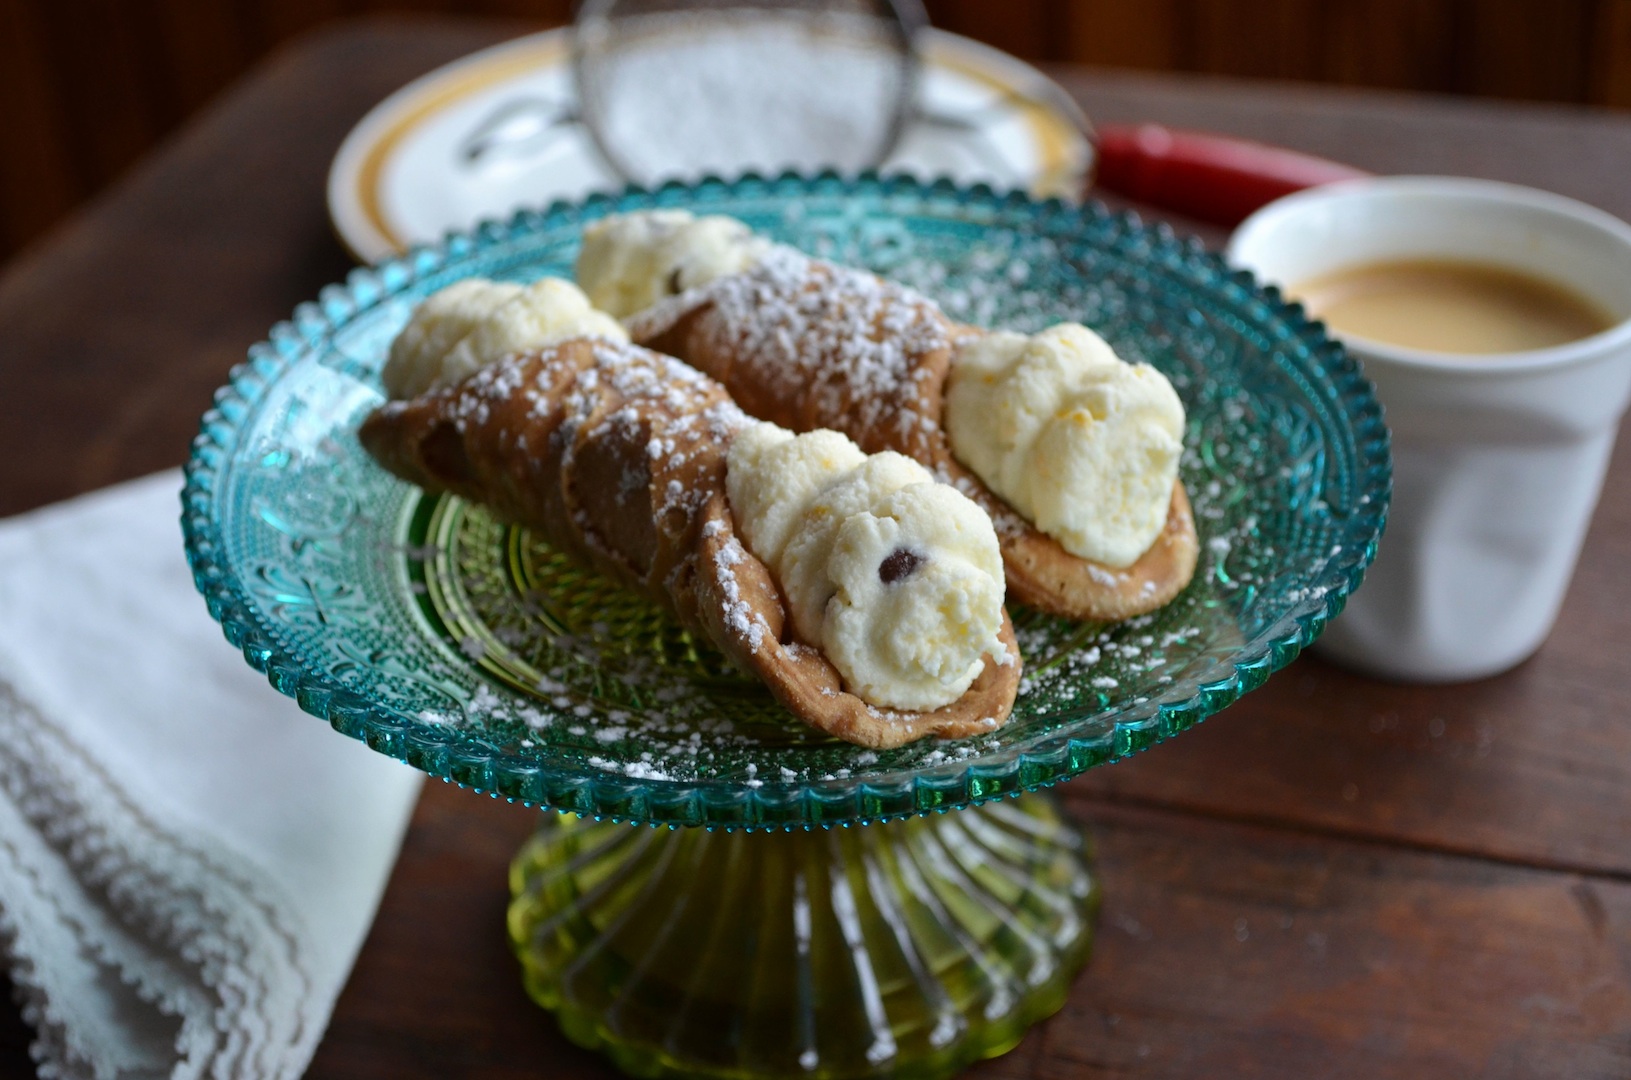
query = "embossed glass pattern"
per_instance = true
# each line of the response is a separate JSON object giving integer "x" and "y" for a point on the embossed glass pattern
{"x": 472, "y": 651}
{"x": 902, "y": 951}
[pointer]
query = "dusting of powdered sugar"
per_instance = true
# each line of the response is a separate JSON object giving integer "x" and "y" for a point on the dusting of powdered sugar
{"x": 683, "y": 94}
{"x": 1242, "y": 471}
{"x": 740, "y": 617}
{"x": 804, "y": 329}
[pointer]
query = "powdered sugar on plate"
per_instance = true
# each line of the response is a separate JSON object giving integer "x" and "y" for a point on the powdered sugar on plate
{"x": 683, "y": 95}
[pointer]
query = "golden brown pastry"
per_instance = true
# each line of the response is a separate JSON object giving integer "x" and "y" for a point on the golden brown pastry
{"x": 807, "y": 344}
{"x": 618, "y": 456}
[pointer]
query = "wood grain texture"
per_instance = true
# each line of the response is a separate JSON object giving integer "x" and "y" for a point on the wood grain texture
{"x": 465, "y": 1021}
{"x": 40, "y": 186}
{"x": 203, "y": 250}
{"x": 1223, "y": 951}
{"x": 1126, "y": 33}
{"x": 1399, "y": 44}
{"x": 1538, "y": 52}
{"x": 1270, "y": 39}
{"x": 1029, "y": 28}
{"x": 1337, "y": 959}
{"x": 1611, "y": 56}
{"x": 1453, "y": 861}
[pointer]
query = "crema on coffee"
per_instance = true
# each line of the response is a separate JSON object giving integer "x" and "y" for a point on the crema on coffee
{"x": 1444, "y": 305}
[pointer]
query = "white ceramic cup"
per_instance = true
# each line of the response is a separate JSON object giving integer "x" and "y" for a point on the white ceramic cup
{"x": 1497, "y": 459}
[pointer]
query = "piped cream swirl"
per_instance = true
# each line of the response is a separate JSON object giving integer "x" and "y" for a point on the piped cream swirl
{"x": 631, "y": 261}
{"x": 475, "y": 322}
{"x": 1083, "y": 444}
{"x": 896, "y": 578}
{"x": 1079, "y": 443}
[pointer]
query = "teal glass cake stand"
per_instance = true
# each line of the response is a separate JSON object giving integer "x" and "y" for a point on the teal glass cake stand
{"x": 794, "y": 906}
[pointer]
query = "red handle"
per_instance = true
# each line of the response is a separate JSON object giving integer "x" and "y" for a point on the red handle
{"x": 1211, "y": 177}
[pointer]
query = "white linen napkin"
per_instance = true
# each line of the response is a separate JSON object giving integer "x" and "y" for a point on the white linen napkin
{"x": 188, "y": 863}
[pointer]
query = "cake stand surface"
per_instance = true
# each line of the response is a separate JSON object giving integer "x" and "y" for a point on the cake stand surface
{"x": 801, "y": 907}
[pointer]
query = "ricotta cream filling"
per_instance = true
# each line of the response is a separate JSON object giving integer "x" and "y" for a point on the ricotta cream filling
{"x": 631, "y": 261}
{"x": 896, "y": 578}
{"x": 475, "y": 322}
{"x": 1081, "y": 444}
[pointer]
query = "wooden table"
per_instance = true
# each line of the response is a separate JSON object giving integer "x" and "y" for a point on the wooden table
{"x": 1337, "y": 877}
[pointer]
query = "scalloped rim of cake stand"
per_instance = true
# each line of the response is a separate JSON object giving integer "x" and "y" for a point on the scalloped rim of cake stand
{"x": 1049, "y": 759}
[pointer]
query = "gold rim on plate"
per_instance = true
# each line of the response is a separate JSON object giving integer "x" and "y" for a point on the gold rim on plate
{"x": 355, "y": 183}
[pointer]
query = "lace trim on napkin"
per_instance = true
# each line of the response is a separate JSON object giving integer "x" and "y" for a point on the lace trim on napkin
{"x": 196, "y": 934}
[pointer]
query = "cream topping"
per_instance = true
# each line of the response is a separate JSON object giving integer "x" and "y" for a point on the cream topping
{"x": 1079, "y": 443}
{"x": 896, "y": 578}
{"x": 475, "y": 322}
{"x": 1083, "y": 444}
{"x": 631, "y": 261}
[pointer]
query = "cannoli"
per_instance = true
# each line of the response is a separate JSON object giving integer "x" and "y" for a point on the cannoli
{"x": 1073, "y": 452}
{"x": 867, "y": 596}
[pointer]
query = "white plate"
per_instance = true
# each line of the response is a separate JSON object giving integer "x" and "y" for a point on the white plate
{"x": 402, "y": 176}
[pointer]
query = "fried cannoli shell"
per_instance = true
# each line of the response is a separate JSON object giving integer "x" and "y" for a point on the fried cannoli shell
{"x": 781, "y": 340}
{"x": 616, "y": 455}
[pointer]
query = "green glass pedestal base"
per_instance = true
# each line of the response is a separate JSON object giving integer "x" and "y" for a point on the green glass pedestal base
{"x": 902, "y": 950}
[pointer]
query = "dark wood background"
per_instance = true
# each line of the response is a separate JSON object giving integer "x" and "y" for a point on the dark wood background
{"x": 88, "y": 86}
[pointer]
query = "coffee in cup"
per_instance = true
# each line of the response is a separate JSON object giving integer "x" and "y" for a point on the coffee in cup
{"x": 1499, "y": 452}
{"x": 1449, "y": 306}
